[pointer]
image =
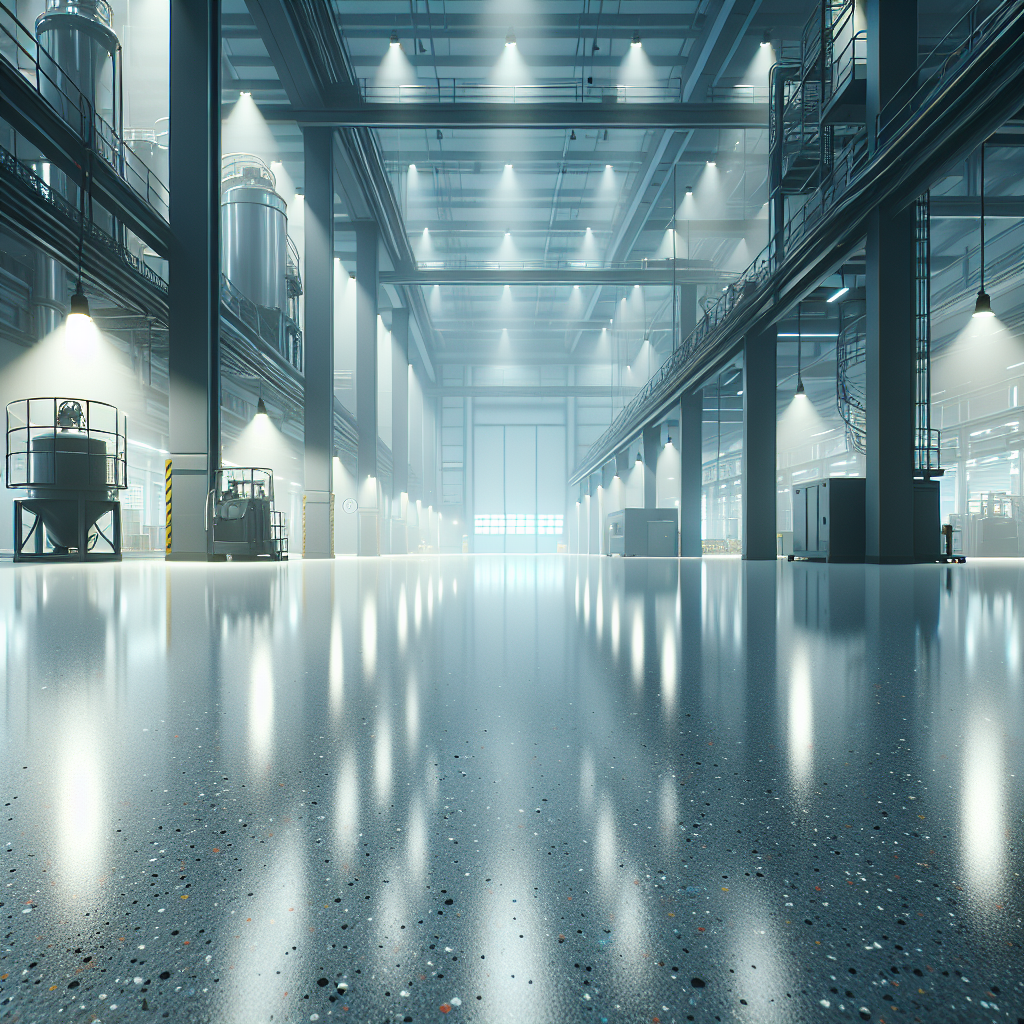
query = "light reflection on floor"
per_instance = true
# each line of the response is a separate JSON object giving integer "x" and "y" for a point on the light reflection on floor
{"x": 512, "y": 788}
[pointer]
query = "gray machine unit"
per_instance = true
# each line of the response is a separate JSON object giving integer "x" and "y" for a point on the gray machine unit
{"x": 241, "y": 519}
{"x": 70, "y": 455}
{"x": 828, "y": 520}
{"x": 254, "y": 230}
{"x": 651, "y": 532}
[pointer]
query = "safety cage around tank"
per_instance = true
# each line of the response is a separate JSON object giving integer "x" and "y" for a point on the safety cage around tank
{"x": 40, "y": 452}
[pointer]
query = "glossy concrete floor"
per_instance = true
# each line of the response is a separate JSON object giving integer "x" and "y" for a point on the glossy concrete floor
{"x": 523, "y": 789}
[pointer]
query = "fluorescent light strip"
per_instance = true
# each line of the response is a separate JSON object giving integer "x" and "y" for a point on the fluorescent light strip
{"x": 808, "y": 335}
{"x": 838, "y": 294}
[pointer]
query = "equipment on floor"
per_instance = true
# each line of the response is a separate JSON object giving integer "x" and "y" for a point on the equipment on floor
{"x": 828, "y": 520}
{"x": 644, "y": 532}
{"x": 70, "y": 455}
{"x": 947, "y": 537}
{"x": 240, "y": 516}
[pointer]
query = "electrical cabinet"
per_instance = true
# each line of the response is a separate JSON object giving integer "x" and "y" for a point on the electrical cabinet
{"x": 650, "y": 532}
{"x": 828, "y": 520}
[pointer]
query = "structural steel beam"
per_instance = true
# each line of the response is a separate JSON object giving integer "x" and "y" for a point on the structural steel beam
{"x": 529, "y": 392}
{"x": 542, "y": 275}
{"x": 529, "y": 115}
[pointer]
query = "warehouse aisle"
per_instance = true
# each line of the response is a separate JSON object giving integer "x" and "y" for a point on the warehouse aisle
{"x": 537, "y": 788}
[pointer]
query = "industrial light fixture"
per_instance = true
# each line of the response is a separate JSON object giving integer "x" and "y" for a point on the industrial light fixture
{"x": 412, "y": 167}
{"x": 842, "y": 291}
{"x": 636, "y": 39}
{"x": 79, "y": 305}
{"x": 510, "y": 39}
{"x": 508, "y": 167}
{"x": 766, "y": 39}
{"x": 689, "y": 190}
{"x": 712, "y": 163}
{"x": 420, "y": 48}
{"x": 800, "y": 390}
{"x": 241, "y": 94}
{"x": 572, "y": 135}
{"x": 608, "y": 167}
{"x": 639, "y": 457}
{"x": 440, "y": 135}
{"x": 983, "y": 304}
{"x": 261, "y": 407}
{"x": 394, "y": 39}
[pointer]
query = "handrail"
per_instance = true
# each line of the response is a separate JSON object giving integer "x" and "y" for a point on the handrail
{"x": 946, "y": 57}
{"x": 20, "y": 49}
{"x": 844, "y": 174}
{"x": 66, "y": 209}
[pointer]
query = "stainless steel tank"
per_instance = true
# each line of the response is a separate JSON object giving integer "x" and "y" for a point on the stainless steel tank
{"x": 254, "y": 230}
{"x": 78, "y": 46}
{"x": 49, "y": 294}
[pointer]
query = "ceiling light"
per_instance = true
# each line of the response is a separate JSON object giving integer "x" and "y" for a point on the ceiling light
{"x": 508, "y": 167}
{"x": 440, "y": 135}
{"x": 689, "y": 190}
{"x": 711, "y": 163}
{"x": 572, "y": 135}
{"x": 800, "y": 390}
{"x": 261, "y": 407}
{"x": 394, "y": 39}
{"x": 80, "y": 305}
{"x": 983, "y": 305}
{"x": 412, "y": 167}
{"x": 510, "y": 39}
{"x": 766, "y": 40}
{"x": 420, "y": 48}
{"x": 508, "y": 232}
{"x": 608, "y": 167}
{"x": 241, "y": 94}
{"x": 639, "y": 457}
{"x": 838, "y": 294}
{"x": 636, "y": 40}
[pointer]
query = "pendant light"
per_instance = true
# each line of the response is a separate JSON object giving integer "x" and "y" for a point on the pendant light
{"x": 983, "y": 304}
{"x": 800, "y": 390}
{"x": 80, "y": 314}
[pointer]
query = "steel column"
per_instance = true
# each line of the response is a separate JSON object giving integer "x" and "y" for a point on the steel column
{"x": 194, "y": 303}
{"x": 652, "y": 449}
{"x": 759, "y": 358}
{"x": 367, "y": 241}
{"x": 691, "y": 426}
{"x": 399, "y": 429}
{"x": 318, "y": 151}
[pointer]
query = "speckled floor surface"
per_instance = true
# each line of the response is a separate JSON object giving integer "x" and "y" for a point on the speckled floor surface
{"x": 525, "y": 789}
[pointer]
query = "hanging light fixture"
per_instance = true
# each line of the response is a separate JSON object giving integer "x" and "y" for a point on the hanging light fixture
{"x": 510, "y": 39}
{"x": 261, "y": 407}
{"x": 393, "y": 42}
{"x": 800, "y": 390}
{"x": 79, "y": 315}
{"x": 636, "y": 39}
{"x": 983, "y": 304}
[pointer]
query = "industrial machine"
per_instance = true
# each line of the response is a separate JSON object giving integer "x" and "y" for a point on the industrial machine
{"x": 70, "y": 455}
{"x": 828, "y": 520}
{"x": 829, "y": 523}
{"x": 995, "y": 524}
{"x": 254, "y": 229}
{"x": 240, "y": 517}
{"x": 651, "y": 532}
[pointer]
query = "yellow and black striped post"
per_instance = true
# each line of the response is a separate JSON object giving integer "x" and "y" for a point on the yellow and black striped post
{"x": 167, "y": 505}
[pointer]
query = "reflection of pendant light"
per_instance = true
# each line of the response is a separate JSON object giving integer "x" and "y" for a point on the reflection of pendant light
{"x": 983, "y": 305}
{"x": 799, "y": 352}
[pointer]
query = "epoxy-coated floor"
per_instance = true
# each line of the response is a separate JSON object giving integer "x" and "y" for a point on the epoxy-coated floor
{"x": 525, "y": 789}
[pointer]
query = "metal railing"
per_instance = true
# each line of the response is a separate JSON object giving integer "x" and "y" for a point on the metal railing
{"x": 948, "y": 56}
{"x": 272, "y": 327}
{"x": 18, "y": 46}
{"x": 60, "y": 204}
{"x": 457, "y": 262}
{"x": 457, "y": 90}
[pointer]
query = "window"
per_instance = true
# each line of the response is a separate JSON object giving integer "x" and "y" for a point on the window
{"x": 518, "y": 524}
